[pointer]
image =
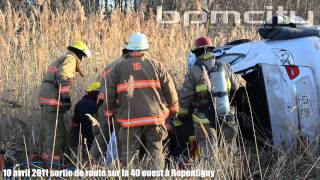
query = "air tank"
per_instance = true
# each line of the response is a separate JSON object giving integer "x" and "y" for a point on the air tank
{"x": 219, "y": 89}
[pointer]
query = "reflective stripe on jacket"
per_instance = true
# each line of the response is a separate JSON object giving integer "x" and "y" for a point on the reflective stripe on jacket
{"x": 139, "y": 85}
{"x": 142, "y": 121}
{"x": 49, "y": 101}
{"x": 60, "y": 73}
{"x": 153, "y": 91}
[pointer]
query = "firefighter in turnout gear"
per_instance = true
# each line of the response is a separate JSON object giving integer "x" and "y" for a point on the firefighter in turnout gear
{"x": 55, "y": 86}
{"x": 142, "y": 95}
{"x": 208, "y": 96}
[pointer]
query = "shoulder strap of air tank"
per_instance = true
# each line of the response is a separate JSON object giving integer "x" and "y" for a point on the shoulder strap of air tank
{"x": 201, "y": 64}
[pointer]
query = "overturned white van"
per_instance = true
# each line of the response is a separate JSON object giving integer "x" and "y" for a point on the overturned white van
{"x": 283, "y": 86}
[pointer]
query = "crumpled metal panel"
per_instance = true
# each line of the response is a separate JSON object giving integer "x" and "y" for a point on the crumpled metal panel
{"x": 293, "y": 105}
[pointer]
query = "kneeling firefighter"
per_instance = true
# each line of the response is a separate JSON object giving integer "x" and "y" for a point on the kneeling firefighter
{"x": 81, "y": 122}
{"x": 206, "y": 89}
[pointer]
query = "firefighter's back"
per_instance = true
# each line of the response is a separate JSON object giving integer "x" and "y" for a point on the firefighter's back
{"x": 142, "y": 93}
{"x": 147, "y": 100}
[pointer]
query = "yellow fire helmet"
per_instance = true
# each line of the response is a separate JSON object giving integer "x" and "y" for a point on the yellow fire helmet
{"x": 95, "y": 86}
{"x": 82, "y": 47}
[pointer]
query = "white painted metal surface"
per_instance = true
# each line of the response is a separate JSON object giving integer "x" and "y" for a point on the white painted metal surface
{"x": 293, "y": 103}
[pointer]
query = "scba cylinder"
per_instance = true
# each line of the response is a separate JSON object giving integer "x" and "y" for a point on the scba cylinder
{"x": 219, "y": 90}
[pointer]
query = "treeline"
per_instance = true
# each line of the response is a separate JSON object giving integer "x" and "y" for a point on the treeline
{"x": 106, "y": 5}
{"x": 301, "y": 7}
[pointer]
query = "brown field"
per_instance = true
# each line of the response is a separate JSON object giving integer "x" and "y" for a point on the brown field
{"x": 30, "y": 40}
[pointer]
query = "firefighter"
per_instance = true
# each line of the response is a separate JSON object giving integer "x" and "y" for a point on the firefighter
{"x": 80, "y": 121}
{"x": 107, "y": 124}
{"x": 142, "y": 95}
{"x": 197, "y": 93}
{"x": 55, "y": 86}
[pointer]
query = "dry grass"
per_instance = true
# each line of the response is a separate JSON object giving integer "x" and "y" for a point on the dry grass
{"x": 29, "y": 41}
